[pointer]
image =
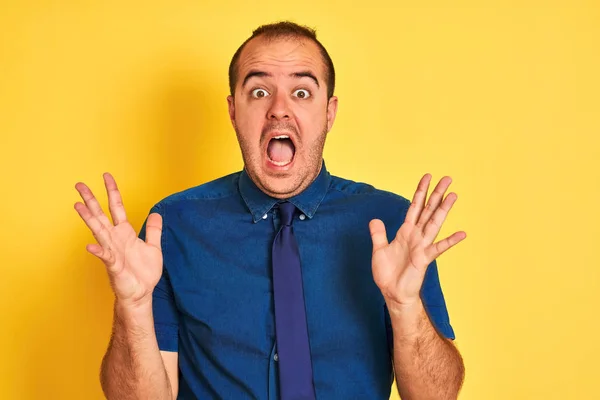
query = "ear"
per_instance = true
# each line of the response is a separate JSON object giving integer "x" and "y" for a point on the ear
{"x": 332, "y": 106}
{"x": 231, "y": 108}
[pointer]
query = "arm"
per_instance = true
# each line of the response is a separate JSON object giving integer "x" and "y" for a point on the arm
{"x": 133, "y": 367}
{"x": 427, "y": 366}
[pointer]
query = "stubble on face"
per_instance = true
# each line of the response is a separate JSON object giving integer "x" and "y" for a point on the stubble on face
{"x": 283, "y": 185}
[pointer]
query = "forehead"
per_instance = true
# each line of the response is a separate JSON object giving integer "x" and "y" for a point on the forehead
{"x": 283, "y": 54}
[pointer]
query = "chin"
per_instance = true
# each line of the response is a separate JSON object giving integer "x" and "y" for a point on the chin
{"x": 281, "y": 186}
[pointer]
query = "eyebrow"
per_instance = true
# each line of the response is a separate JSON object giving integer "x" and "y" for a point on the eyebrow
{"x": 253, "y": 73}
{"x": 306, "y": 74}
{"x": 263, "y": 74}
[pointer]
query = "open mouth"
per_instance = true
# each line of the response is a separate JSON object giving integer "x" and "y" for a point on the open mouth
{"x": 281, "y": 150}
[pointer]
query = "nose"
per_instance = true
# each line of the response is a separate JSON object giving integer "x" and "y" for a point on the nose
{"x": 279, "y": 108}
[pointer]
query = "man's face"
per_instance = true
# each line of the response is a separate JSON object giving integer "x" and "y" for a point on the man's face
{"x": 281, "y": 113}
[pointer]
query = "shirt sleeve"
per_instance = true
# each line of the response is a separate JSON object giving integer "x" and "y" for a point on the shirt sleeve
{"x": 433, "y": 300}
{"x": 164, "y": 309}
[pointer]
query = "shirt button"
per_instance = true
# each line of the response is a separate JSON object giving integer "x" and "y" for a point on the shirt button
{"x": 302, "y": 217}
{"x": 265, "y": 216}
{"x": 276, "y": 357}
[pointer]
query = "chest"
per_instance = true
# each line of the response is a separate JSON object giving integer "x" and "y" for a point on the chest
{"x": 222, "y": 281}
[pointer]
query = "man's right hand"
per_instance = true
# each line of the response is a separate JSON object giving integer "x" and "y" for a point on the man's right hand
{"x": 134, "y": 266}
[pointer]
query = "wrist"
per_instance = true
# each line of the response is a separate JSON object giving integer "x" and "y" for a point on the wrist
{"x": 133, "y": 308}
{"x": 407, "y": 318}
{"x": 132, "y": 321}
{"x": 403, "y": 306}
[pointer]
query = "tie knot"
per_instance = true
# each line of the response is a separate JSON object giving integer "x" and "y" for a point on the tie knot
{"x": 286, "y": 211}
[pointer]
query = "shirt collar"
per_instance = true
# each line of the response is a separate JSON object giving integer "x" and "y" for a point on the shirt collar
{"x": 259, "y": 203}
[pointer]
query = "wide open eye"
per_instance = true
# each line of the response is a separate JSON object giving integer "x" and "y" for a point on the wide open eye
{"x": 302, "y": 94}
{"x": 259, "y": 93}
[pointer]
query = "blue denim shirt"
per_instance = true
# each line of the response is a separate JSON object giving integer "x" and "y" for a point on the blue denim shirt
{"x": 214, "y": 302}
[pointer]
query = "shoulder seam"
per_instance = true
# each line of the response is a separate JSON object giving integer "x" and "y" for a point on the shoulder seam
{"x": 182, "y": 196}
{"x": 374, "y": 192}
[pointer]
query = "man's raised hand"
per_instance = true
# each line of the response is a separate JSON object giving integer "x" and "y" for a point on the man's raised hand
{"x": 134, "y": 266}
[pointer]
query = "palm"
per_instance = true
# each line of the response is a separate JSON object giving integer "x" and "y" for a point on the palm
{"x": 138, "y": 265}
{"x": 134, "y": 265}
{"x": 399, "y": 266}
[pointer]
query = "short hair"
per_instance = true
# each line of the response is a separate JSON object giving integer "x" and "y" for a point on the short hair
{"x": 284, "y": 30}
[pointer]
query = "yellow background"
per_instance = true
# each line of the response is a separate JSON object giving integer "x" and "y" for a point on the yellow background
{"x": 503, "y": 96}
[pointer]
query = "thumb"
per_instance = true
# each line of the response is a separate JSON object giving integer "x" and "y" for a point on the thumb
{"x": 378, "y": 234}
{"x": 154, "y": 230}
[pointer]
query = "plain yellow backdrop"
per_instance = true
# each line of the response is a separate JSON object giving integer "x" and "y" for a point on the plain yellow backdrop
{"x": 503, "y": 96}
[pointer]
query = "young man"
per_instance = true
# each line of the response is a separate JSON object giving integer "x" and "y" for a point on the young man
{"x": 279, "y": 281}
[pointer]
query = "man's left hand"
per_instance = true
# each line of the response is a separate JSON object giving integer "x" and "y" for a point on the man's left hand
{"x": 399, "y": 267}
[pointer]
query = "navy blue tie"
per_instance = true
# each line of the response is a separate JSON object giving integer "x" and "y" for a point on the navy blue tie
{"x": 295, "y": 368}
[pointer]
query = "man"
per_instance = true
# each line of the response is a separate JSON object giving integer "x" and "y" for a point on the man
{"x": 278, "y": 282}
